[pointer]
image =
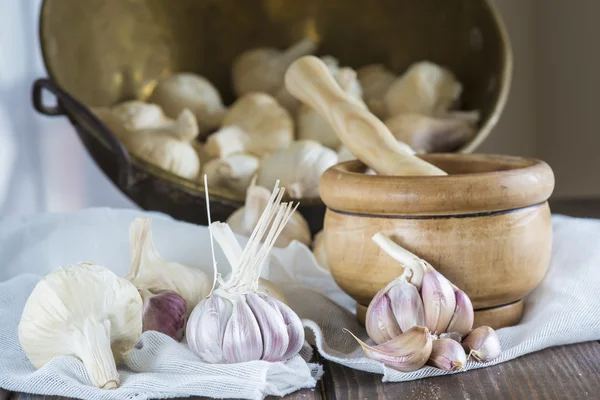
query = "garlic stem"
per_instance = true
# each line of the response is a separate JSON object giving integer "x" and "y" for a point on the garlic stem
{"x": 417, "y": 266}
{"x": 210, "y": 234}
{"x": 92, "y": 345}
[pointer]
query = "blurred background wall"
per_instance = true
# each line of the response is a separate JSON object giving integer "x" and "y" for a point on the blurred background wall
{"x": 551, "y": 112}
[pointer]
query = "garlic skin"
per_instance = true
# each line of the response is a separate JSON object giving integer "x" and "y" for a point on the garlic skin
{"x": 464, "y": 316}
{"x": 406, "y": 352}
{"x": 311, "y": 126}
{"x": 244, "y": 219}
{"x": 163, "y": 312}
{"x": 194, "y": 92}
{"x": 447, "y": 355}
{"x": 425, "y": 88}
{"x": 319, "y": 250}
{"x": 149, "y": 271}
{"x": 263, "y": 126}
{"x": 136, "y": 115}
{"x": 299, "y": 167}
{"x": 237, "y": 323}
{"x": 234, "y": 172}
{"x": 427, "y": 134}
{"x": 438, "y": 300}
{"x": 85, "y": 311}
{"x": 375, "y": 80}
{"x": 482, "y": 344}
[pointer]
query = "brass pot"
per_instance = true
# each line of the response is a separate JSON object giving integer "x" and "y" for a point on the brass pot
{"x": 101, "y": 52}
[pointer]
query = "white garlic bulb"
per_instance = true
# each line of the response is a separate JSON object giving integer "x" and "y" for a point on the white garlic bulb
{"x": 375, "y": 80}
{"x": 194, "y": 92}
{"x": 149, "y": 271}
{"x": 244, "y": 219}
{"x": 319, "y": 250}
{"x": 234, "y": 172}
{"x": 85, "y": 311}
{"x": 254, "y": 124}
{"x": 425, "y": 88}
{"x": 237, "y": 323}
{"x": 311, "y": 126}
{"x": 135, "y": 114}
{"x": 299, "y": 167}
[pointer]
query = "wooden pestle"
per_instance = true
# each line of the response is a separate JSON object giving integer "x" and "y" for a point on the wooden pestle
{"x": 309, "y": 80}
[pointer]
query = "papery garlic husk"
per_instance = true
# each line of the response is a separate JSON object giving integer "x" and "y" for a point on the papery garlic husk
{"x": 447, "y": 355}
{"x": 375, "y": 80}
{"x": 244, "y": 219}
{"x": 439, "y": 301}
{"x": 425, "y": 88}
{"x": 311, "y": 126}
{"x": 84, "y": 311}
{"x": 234, "y": 172}
{"x": 237, "y": 323}
{"x": 150, "y": 271}
{"x": 427, "y": 134}
{"x": 261, "y": 125}
{"x": 194, "y": 92}
{"x": 482, "y": 344}
{"x": 463, "y": 317}
{"x": 164, "y": 312}
{"x": 299, "y": 167}
{"x": 319, "y": 250}
{"x": 406, "y": 352}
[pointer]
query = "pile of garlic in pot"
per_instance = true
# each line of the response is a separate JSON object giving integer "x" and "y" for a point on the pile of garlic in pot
{"x": 185, "y": 128}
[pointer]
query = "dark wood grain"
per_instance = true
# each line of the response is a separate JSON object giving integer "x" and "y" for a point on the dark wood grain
{"x": 566, "y": 372}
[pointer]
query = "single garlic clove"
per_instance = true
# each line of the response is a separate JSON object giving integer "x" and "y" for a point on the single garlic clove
{"x": 438, "y": 301}
{"x": 206, "y": 328}
{"x": 380, "y": 322}
{"x": 482, "y": 344}
{"x": 447, "y": 355}
{"x": 226, "y": 141}
{"x": 242, "y": 340}
{"x": 462, "y": 319}
{"x": 163, "y": 312}
{"x": 272, "y": 327}
{"x": 406, "y": 352}
{"x": 406, "y": 305}
{"x": 294, "y": 326}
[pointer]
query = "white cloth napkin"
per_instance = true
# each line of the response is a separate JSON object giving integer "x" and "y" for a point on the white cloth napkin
{"x": 560, "y": 311}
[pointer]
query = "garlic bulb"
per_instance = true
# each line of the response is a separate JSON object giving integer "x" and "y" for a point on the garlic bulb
{"x": 425, "y": 88}
{"x": 375, "y": 80}
{"x": 234, "y": 172}
{"x": 191, "y": 91}
{"x": 299, "y": 167}
{"x": 311, "y": 126}
{"x": 84, "y": 311}
{"x": 244, "y": 219}
{"x": 149, "y": 271}
{"x": 263, "y": 69}
{"x": 427, "y": 134}
{"x": 319, "y": 250}
{"x": 237, "y": 323}
{"x": 263, "y": 126}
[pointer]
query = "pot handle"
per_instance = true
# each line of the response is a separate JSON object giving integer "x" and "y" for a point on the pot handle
{"x": 67, "y": 105}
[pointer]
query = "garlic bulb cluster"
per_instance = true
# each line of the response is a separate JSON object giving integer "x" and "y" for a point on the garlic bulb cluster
{"x": 422, "y": 297}
{"x": 244, "y": 219}
{"x": 84, "y": 311}
{"x": 299, "y": 167}
{"x": 254, "y": 124}
{"x": 193, "y": 92}
{"x": 236, "y": 322}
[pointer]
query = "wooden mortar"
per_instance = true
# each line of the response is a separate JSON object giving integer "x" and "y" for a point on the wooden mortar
{"x": 485, "y": 226}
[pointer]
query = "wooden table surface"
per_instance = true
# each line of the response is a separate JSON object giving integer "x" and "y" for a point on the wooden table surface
{"x": 565, "y": 372}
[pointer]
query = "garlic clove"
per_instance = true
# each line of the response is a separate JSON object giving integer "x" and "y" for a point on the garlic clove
{"x": 136, "y": 115}
{"x": 227, "y": 141}
{"x": 406, "y": 352}
{"x": 406, "y": 305}
{"x": 375, "y": 80}
{"x": 234, "y": 172}
{"x": 163, "y": 312}
{"x": 425, "y": 88}
{"x": 185, "y": 127}
{"x": 319, "y": 250}
{"x": 242, "y": 340}
{"x": 273, "y": 329}
{"x": 380, "y": 322}
{"x": 206, "y": 328}
{"x": 482, "y": 344}
{"x": 438, "y": 301}
{"x": 293, "y": 324}
{"x": 447, "y": 355}
{"x": 463, "y": 317}
{"x": 426, "y": 134}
